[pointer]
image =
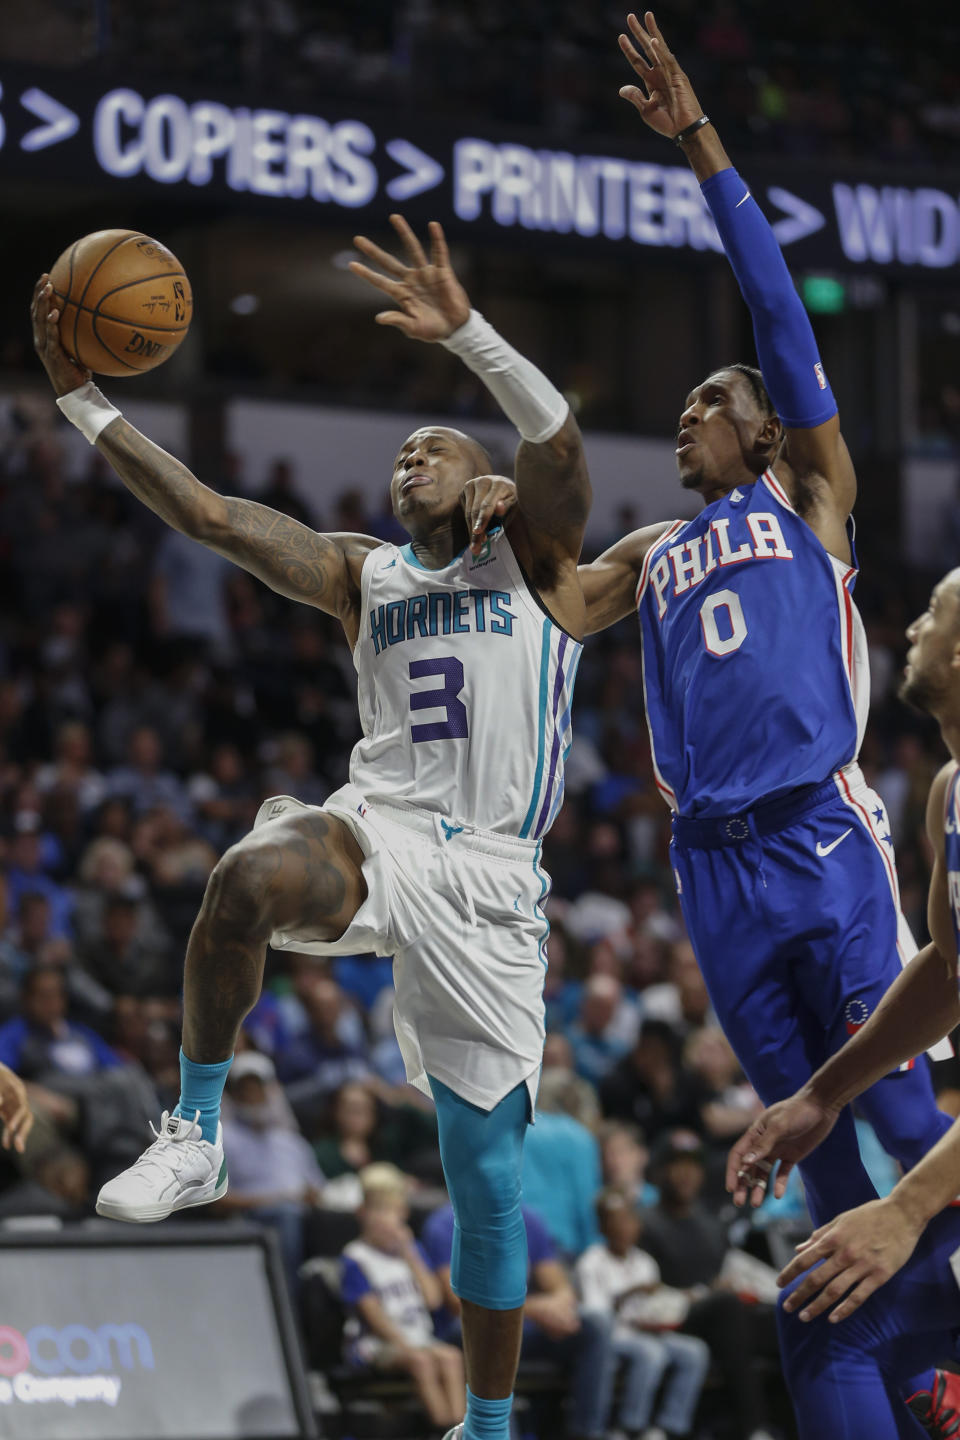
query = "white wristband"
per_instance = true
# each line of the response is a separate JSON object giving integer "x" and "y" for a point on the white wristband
{"x": 524, "y": 394}
{"x": 87, "y": 408}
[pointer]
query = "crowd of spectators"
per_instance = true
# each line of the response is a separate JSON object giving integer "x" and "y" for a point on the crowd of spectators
{"x": 809, "y": 82}
{"x": 150, "y": 698}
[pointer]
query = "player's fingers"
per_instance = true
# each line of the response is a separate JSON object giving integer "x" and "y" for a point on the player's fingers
{"x": 19, "y": 1125}
{"x": 783, "y": 1175}
{"x": 439, "y": 254}
{"x": 23, "y": 1130}
{"x": 855, "y": 1299}
{"x": 737, "y": 1155}
{"x": 802, "y": 1260}
{"x": 380, "y": 257}
{"x": 415, "y": 251}
{"x": 393, "y": 288}
{"x": 639, "y": 33}
{"x": 838, "y": 1289}
{"x": 395, "y": 317}
{"x": 636, "y": 59}
{"x": 636, "y": 97}
{"x": 653, "y": 29}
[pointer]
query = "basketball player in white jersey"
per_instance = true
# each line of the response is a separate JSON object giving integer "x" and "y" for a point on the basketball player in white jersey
{"x": 465, "y": 664}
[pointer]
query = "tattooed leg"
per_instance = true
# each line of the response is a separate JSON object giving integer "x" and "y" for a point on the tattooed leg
{"x": 299, "y": 872}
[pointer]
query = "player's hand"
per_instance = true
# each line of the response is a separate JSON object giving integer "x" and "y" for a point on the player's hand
{"x": 860, "y": 1250}
{"x": 65, "y": 374}
{"x": 431, "y": 303}
{"x": 15, "y": 1114}
{"x": 486, "y": 498}
{"x": 665, "y": 98}
{"x": 785, "y": 1133}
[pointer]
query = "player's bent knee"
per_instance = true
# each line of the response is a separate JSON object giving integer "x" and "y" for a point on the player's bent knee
{"x": 236, "y": 892}
{"x": 482, "y": 1154}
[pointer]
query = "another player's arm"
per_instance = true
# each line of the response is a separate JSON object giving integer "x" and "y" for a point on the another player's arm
{"x": 320, "y": 570}
{"x": 921, "y": 1006}
{"x": 609, "y": 583}
{"x": 814, "y": 451}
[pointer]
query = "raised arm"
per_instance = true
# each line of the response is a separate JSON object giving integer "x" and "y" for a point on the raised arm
{"x": 814, "y": 455}
{"x": 553, "y": 486}
{"x": 320, "y": 570}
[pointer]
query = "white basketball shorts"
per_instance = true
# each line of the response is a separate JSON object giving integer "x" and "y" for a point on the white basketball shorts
{"x": 459, "y": 909}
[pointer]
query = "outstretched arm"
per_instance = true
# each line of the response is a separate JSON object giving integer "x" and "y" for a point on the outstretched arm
{"x": 609, "y": 583}
{"x": 553, "y": 486}
{"x": 814, "y": 448}
{"x": 320, "y": 570}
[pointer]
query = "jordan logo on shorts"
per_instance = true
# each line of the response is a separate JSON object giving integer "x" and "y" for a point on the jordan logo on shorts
{"x": 450, "y": 830}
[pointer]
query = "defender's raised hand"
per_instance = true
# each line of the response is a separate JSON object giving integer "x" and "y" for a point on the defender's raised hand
{"x": 431, "y": 303}
{"x": 666, "y": 100}
{"x": 65, "y": 374}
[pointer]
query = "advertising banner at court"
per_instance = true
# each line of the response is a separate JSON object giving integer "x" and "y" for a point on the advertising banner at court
{"x": 352, "y": 166}
{"x": 101, "y": 1343}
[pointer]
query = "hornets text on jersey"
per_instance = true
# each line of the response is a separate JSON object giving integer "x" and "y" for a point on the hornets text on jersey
{"x": 755, "y": 664}
{"x": 465, "y": 686}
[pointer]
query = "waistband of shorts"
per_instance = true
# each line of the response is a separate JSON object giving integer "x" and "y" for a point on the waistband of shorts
{"x": 448, "y": 828}
{"x": 712, "y": 832}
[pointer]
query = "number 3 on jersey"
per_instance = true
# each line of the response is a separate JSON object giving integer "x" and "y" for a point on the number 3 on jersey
{"x": 726, "y": 632}
{"x": 442, "y": 697}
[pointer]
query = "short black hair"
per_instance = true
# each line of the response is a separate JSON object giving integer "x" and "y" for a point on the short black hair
{"x": 755, "y": 380}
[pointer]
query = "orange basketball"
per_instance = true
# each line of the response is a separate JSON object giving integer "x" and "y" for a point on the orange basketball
{"x": 125, "y": 302}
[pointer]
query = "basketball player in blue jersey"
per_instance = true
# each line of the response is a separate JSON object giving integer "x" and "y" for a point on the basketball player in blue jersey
{"x": 756, "y": 686}
{"x": 465, "y": 659}
{"x": 909, "y": 1242}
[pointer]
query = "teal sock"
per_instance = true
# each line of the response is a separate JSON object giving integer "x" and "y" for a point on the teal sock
{"x": 487, "y": 1419}
{"x": 201, "y": 1088}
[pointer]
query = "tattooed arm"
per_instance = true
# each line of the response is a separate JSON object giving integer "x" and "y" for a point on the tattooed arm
{"x": 320, "y": 570}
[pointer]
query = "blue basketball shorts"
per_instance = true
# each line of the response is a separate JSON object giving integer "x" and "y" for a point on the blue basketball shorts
{"x": 793, "y": 909}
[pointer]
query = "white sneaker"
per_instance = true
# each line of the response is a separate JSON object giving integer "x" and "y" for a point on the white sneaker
{"x": 178, "y": 1170}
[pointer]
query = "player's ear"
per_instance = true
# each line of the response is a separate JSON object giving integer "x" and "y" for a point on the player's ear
{"x": 771, "y": 435}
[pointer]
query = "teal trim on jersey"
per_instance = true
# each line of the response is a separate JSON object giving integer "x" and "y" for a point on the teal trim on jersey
{"x": 407, "y": 552}
{"x": 541, "y": 727}
{"x": 543, "y": 890}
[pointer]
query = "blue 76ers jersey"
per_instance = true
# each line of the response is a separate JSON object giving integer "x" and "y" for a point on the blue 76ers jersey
{"x": 465, "y": 686}
{"x": 755, "y": 663}
{"x": 951, "y": 823}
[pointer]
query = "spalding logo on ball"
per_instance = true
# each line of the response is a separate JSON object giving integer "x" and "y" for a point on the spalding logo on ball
{"x": 125, "y": 302}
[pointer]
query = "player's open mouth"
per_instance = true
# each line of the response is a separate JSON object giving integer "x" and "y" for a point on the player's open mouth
{"x": 685, "y": 442}
{"x": 412, "y": 481}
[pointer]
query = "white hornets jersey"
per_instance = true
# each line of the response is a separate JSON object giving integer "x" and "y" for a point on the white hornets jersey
{"x": 465, "y": 686}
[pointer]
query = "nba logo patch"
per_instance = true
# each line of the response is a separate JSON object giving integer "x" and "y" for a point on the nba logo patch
{"x": 855, "y": 1016}
{"x": 361, "y": 811}
{"x": 821, "y": 378}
